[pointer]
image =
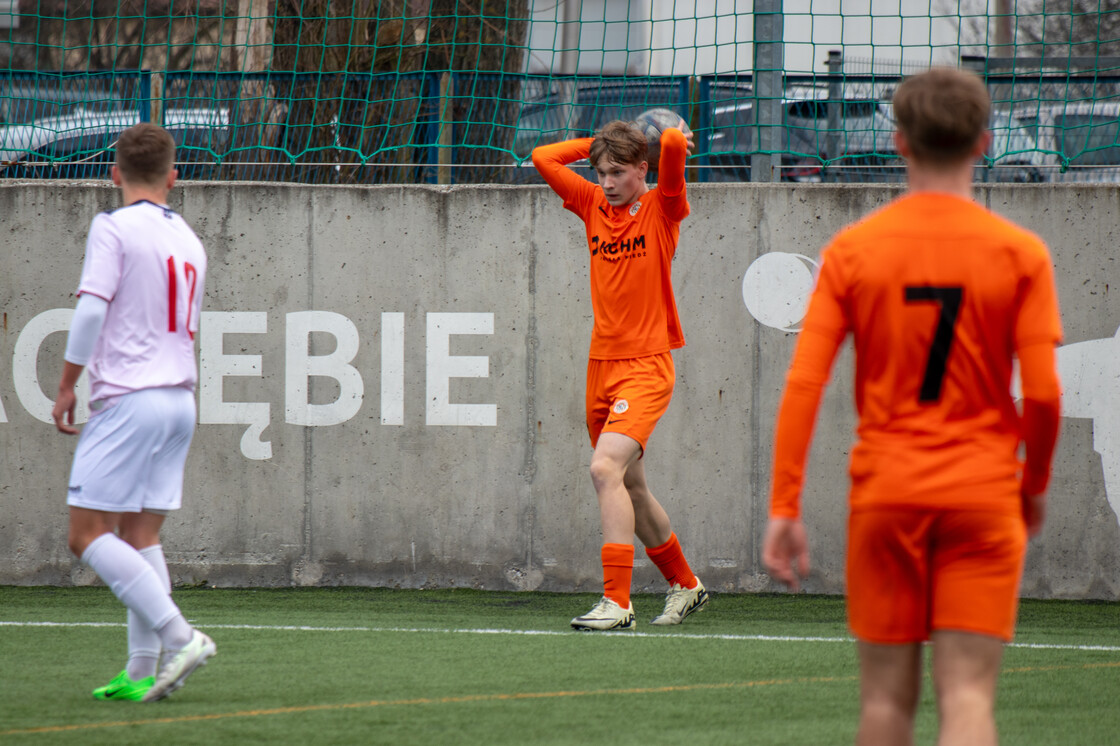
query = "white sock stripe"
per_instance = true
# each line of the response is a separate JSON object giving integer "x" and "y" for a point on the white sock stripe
{"x": 138, "y": 653}
{"x": 545, "y": 633}
{"x": 121, "y": 588}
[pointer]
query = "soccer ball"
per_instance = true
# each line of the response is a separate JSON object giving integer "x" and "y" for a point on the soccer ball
{"x": 652, "y": 123}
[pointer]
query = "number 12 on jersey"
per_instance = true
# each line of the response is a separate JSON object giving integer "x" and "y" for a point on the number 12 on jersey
{"x": 190, "y": 274}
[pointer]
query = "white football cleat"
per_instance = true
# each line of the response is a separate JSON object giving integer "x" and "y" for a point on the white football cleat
{"x": 606, "y": 614}
{"x": 680, "y": 602}
{"x": 180, "y": 665}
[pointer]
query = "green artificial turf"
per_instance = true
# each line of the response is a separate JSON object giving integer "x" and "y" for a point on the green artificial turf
{"x": 348, "y": 665}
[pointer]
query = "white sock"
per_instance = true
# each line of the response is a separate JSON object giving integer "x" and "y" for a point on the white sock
{"x": 143, "y": 641}
{"x": 175, "y": 634}
{"x": 136, "y": 584}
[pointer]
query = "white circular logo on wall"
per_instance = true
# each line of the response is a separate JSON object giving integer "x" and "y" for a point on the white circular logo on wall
{"x": 620, "y": 406}
{"x": 776, "y": 289}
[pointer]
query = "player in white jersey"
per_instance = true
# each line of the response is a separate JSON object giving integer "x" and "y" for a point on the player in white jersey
{"x": 139, "y": 301}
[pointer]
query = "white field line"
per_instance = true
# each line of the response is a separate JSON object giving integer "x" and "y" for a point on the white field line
{"x": 546, "y": 633}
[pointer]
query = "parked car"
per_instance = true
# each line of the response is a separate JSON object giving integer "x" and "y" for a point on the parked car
{"x": 79, "y": 146}
{"x": 25, "y": 100}
{"x": 868, "y": 153}
{"x": 806, "y": 135}
{"x": 1083, "y": 135}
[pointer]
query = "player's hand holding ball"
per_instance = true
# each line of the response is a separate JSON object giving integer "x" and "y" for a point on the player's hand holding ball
{"x": 655, "y": 121}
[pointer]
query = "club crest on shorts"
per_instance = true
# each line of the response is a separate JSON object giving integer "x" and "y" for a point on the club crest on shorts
{"x": 620, "y": 406}
{"x": 634, "y": 208}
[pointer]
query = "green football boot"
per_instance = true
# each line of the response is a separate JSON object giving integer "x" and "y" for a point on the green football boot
{"x": 124, "y": 688}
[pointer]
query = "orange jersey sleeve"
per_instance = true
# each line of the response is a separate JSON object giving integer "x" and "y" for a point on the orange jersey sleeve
{"x": 796, "y": 416}
{"x": 939, "y": 295}
{"x": 631, "y": 249}
{"x": 1042, "y": 409}
{"x": 670, "y": 177}
{"x": 551, "y": 161}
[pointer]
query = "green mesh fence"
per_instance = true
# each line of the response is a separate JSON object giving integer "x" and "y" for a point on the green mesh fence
{"x": 460, "y": 91}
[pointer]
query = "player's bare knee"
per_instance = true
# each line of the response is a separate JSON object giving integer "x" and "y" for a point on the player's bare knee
{"x": 893, "y": 706}
{"x": 604, "y": 472}
{"x": 972, "y": 697}
{"x": 79, "y": 540}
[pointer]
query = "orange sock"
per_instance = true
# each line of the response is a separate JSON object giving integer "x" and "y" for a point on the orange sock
{"x": 618, "y": 569}
{"x": 671, "y": 562}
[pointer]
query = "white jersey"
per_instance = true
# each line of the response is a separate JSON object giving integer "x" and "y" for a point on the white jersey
{"x": 149, "y": 265}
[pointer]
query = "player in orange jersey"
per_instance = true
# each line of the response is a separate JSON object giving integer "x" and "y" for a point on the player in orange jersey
{"x": 939, "y": 295}
{"x": 632, "y": 233}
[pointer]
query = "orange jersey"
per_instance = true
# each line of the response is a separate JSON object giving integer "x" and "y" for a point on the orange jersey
{"x": 939, "y": 294}
{"x": 631, "y": 249}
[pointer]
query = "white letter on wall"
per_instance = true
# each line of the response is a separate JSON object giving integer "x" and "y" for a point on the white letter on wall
{"x": 392, "y": 369}
{"x": 25, "y": 368}
{"x": 442, "y": 367}
{"x": 300, "y": 365}
{"x": 216, "y": 365}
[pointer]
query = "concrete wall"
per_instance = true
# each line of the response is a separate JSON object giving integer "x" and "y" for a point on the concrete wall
{"x": 392, "y": 379}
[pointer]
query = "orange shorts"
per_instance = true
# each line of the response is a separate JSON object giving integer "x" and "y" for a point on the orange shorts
{"x": 628, "y": 396}
{"x": 912, "y": 571}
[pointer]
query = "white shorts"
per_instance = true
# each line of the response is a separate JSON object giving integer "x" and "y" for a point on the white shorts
{"x": 131, "y": 453}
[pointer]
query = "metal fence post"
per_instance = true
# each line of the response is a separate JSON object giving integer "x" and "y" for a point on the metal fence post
{"x": 445, "y": 127}
{"x": 768, "y": 91}
{"x": 701, "y": 115}
{"x": 144, "y": 95}
{"x": 430, "y": 138}
{"x": 979, "y": 65}
{"x": 835, "y": 104}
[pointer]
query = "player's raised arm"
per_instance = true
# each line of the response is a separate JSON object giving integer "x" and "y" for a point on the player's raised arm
{"x": 675, "y": 147}
{"x": 551, "y": 161}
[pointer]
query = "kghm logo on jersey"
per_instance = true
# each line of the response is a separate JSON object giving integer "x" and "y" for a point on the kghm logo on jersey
{"x": 627, "y": 248}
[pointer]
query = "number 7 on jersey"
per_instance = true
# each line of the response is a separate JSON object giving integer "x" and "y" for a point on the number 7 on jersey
{"x": 948, "y": 299}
